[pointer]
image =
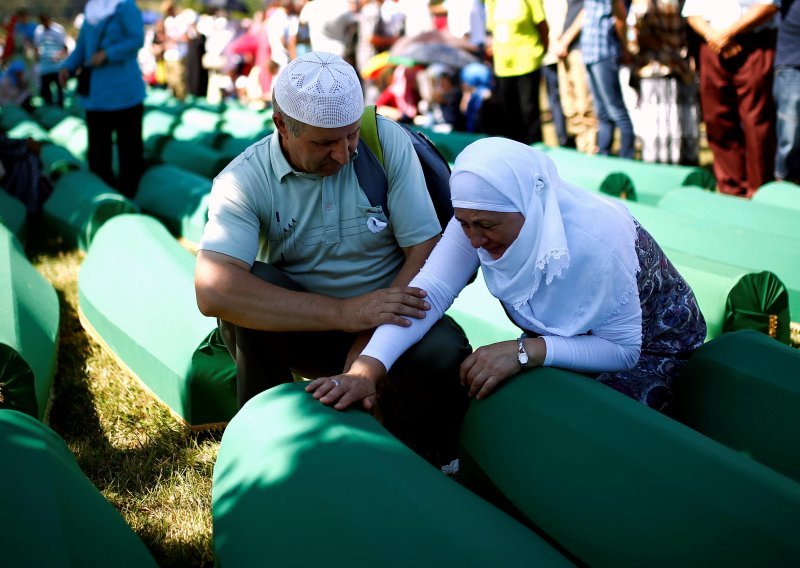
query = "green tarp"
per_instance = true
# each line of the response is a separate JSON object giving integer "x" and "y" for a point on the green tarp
{"x": 52, "y": 515}
{"x": 300, "y": 484}
{"x": 13, "y": 215}
{"x": 136, "y": 290}
{"x": 79, "y": 205}
{"x": 743, "y": 390}
{"x": 650, "y": 181}
{"x": 734, "y": 211}
{"x": 176, "y": 197}
{"x": 619, "y": 484}
{"x": 780, "y": 194}
{"x": 29, "y": 316}
{"x": 752, "y": 251}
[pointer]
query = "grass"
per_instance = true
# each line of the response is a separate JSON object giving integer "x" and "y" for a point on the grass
{"x": 151, "y": 467}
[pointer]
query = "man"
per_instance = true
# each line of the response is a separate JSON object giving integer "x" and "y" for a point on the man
{"x": 736, "y": 73}
{"x": 518, "y": 43}
{"x": 51, "y": 45}
{"x": 331, "y": 266}
{"x": 787, "y": 93}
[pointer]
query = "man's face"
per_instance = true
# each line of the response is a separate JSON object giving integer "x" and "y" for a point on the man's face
{"x": 322, "y": 151}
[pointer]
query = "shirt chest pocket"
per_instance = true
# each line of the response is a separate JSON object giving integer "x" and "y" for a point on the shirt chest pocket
{"x": 373, "y": 228}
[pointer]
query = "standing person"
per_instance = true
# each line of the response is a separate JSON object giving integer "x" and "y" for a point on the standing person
{"x": 787, "y": 93}
{"x": 518, "y": 44}
{"x": 108, "y": 44}
{"x": 50, "y": 40}
{"x": 573, "y": 82}
{"x": 300, "y": 268}
{"x": 736, "y": 76}
{"x": 603, "y": 46}
{"x": 668, "y": 89}
{"x": 331, "y": 25}
{"x": 587, "y": 285}
{"x": 556, "y": 12}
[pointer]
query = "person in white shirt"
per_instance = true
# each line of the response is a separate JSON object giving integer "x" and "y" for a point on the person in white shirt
{"x": 588, "y": 286}
{"x": 50, "y": 40}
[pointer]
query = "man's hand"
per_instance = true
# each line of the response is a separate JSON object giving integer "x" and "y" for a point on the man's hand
{"x": 63, "y": 75}
{"x": 388, "y": 305}
{"x": 359, "y": 384}
{"x": 719, "y": 41}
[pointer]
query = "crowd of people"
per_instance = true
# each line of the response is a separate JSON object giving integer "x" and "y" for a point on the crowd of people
{"x": 651, "y": 70}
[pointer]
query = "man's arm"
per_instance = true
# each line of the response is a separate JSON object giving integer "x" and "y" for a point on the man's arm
{"x": 225, "y": 289}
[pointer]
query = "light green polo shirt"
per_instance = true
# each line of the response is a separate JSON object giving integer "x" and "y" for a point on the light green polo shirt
{"x": 321, "y": 231}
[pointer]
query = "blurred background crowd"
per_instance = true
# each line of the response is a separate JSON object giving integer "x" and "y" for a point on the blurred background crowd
{"x": 644, "y": 79}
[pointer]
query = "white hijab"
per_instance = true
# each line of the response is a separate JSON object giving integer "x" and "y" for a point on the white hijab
{"x": 582, "y": 245}
{"x": 97, "y": 10}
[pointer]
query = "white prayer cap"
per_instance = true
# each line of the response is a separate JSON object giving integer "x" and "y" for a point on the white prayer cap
{"x": 320, "y": 89}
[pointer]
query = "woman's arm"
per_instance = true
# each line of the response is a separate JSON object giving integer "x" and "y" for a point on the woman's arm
{"x": 444, "y": 275}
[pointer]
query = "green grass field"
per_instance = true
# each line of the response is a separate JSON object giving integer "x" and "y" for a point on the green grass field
{"x": 150, "y": 466}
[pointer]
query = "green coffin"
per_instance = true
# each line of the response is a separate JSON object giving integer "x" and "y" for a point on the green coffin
{"x": 300, "y": 484}
{"x": 245, "y": 123}
{"x": 57, "y": 160}
{"x": 733, "y": 298}
{"x": 72, "y": 134}
{"x": 49, "y": 115}
{"x": 156, "y": 124}
{"x": 482, "y": 316}
{"x": 176, "y": 197}
{"x": 732, "y": 210}
{"x": 28, "y": 129}
{"x": 618, "y": 484}
{"x": 12, "y": 115}
{"x": 750, "y": 250}
{"x": 232, "y": 147}
{"x": 649, "y": 181}
{"x": 52, "y": 514}
{"x": 136, "y": 292}
{"x": 194, "y": 157}
{"x": 743, "y": 390}
{"x": 29, "y": 315}
{"x": 79, "y": 205}
{"x": 780, "y": 194}
{"x": 13, "y": 215}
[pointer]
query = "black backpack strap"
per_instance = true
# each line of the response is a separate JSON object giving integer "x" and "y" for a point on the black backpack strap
{"x": 372, "y": 177}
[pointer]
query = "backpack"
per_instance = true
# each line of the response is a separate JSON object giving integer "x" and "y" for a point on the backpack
{"x": 371, "y": 172}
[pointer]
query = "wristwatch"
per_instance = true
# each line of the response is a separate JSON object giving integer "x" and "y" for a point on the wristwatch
{"x": 522, "y": 355}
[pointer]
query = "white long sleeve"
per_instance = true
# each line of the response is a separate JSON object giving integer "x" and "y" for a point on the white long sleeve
{"x": 444, "y": 275}
{"x": 613, "y": 347}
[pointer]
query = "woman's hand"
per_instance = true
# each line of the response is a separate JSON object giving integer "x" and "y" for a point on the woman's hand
{"x": 358, "y": 384}
{"x": 490, "y": 365}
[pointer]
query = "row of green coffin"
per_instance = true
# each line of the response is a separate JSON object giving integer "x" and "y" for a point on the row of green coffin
{"x": 618, "y": 484}
{"x": 52, "y": 515}
{"x": 29, "y": 317}
{"x": 605, "y": 479}
{"x": 81, "y": 202}
{"x": 136, "y": 293}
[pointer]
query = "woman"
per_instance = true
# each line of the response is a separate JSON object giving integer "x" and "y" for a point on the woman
{"x": 108, "y": 43}
{"x": 589, "y": 287}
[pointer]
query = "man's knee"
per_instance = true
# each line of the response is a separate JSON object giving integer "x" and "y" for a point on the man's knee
{"x": 441, "y": 350}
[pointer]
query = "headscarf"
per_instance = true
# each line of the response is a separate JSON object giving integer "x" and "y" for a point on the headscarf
{"x": 97, "y": 10}
{"x": 574, "y": 262}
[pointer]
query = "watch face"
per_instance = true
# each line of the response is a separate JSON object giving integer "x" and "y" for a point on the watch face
{"x": 522, "y": 356}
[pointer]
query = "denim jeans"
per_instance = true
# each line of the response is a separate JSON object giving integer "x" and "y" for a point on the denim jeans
{"x": 550, "y": 74}
{"x": 786, "y": 91}
{"x": 610, "y": 107}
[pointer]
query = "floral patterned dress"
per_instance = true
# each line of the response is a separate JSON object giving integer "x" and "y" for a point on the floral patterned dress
{"x": 672, "y": 328}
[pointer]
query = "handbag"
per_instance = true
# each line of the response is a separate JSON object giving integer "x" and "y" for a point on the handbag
{"x": 84, "y": 73}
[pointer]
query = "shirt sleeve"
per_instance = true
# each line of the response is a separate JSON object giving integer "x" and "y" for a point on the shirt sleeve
{"x": 444, "y": 275}
{"x": 233, "y": 225}
{"x": 615, "y": 346}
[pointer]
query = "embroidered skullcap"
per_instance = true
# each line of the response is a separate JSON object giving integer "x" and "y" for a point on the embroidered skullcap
{"x": 320, "y": 89}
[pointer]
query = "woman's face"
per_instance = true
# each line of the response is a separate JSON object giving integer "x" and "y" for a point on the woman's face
{"x": 490, "y": 230}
